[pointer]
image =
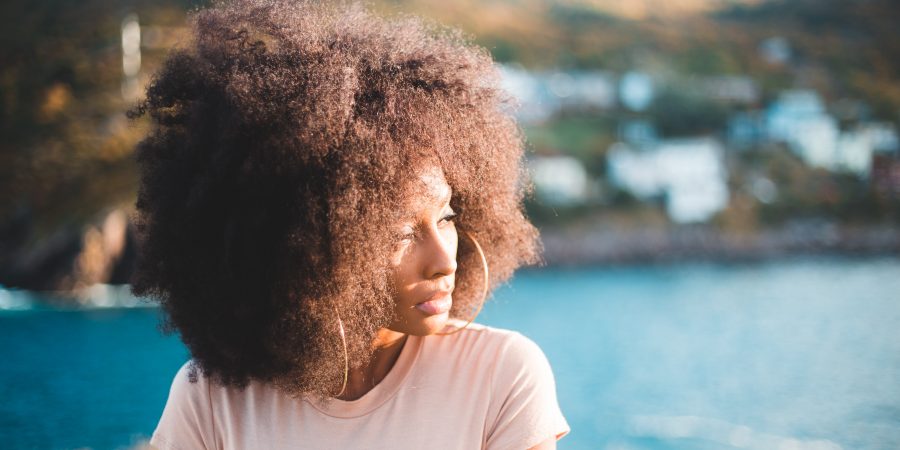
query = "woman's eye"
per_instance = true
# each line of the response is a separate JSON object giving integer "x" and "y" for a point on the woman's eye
{"x": 407, "y": 235}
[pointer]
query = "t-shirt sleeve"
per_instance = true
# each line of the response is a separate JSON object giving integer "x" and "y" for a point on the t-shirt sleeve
{"x": 186, "y": 421}
{"x": 524, "y": 398}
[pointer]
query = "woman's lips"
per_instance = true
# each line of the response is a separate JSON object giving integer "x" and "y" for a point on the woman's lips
{"x": 436, "y": 306}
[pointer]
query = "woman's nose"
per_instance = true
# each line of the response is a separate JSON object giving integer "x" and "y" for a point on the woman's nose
{"x": 440, "y": 253}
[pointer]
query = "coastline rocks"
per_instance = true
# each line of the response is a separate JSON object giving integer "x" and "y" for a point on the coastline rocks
{"x": 693, "y": 243}
{"x": 72, "y": 260}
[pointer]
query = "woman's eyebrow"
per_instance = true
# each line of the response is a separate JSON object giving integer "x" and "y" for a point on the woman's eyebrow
{"x": 442, "y": 197}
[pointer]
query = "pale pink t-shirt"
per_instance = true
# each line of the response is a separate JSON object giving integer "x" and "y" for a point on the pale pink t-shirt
{"x": 480, "y": 388}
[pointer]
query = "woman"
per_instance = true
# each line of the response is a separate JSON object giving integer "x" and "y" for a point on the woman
{"x": 314, "y": 195}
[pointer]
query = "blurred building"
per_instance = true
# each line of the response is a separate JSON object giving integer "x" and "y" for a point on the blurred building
{"x": 746, "y": 129}
{"x": 636, "y": 90}
{"x": 775, "y": 50}
{"x": 559, "y": 180}
{"x": 883, "y": 137}
{"x": 798, "y": 118}
{"x": 542, "y": 94}
{"x": 582, "y": 89}
{"x": 885, "y": 172}
{"x": 729, "y": 88}
{"x": 854, "y": 153}
{"x": 857, "y": 148}
{"x": 689, "y": 174}
{"x": 638, "y": 132}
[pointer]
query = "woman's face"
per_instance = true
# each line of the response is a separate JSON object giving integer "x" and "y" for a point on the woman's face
{"x": 424, "y": 261}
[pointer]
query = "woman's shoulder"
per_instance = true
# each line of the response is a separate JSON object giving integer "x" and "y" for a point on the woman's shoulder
{"x": 495, "y": 346}
{"x": 197, "y": 402}
{"x": 191, "y": 387}
{"x": 187, "y": 417}
{"x": 522, "y": 407}
{"x": 485, "y": 335}
{"x": 189, "y": 379}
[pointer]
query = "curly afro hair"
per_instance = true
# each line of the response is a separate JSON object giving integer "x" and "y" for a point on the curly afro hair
{"x": 284, "y": 136}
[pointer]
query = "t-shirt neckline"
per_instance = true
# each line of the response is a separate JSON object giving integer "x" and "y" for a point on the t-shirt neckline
{"x": 381, "y": 393}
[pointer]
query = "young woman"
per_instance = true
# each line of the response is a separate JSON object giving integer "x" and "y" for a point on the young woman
{"x": 322, "y": 195}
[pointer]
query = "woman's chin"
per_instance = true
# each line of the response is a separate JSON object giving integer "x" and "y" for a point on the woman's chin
{"x": 423, "y": 325}
{"x": 435, "y": 324}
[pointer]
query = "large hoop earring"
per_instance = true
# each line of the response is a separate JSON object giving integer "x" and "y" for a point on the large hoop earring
{"x": 485, "y": 287}
{"x": 346, "y": 356}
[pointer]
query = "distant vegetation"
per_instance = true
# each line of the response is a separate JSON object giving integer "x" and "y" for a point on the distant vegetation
{"x": 65, "y": 152}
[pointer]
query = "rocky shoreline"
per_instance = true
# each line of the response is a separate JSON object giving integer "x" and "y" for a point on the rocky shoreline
{"x": 612, "y": 247}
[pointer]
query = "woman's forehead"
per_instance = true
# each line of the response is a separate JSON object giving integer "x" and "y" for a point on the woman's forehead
{"x": 434, "y": 185}
{"x": 429, "y": 189}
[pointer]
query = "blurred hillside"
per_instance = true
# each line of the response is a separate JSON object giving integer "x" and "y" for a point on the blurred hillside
{"x": 65, "y": 152}
{"x": 842, "y": 47}
{"x": 66, "y": 81}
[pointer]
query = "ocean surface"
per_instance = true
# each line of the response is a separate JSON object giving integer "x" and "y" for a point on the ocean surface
{"x": 793, "y": 355}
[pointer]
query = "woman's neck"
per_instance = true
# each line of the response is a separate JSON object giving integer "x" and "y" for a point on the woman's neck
{"x": 388, "y": 345}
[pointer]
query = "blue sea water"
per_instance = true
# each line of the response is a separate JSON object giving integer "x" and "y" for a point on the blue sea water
{"x": 793, "y": 355}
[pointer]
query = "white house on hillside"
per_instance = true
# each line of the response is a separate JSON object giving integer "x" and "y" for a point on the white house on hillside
{"x": 541, "y": 94}
{"x": 636, "y": 90}
{"x": 798, "y": 118}
{"x": 856, "y": 148}
{"x": 689, "y": 173}
{"x": 560, "y": 180}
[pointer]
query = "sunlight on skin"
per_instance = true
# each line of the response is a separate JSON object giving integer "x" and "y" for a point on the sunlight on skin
{"x": 423, "y": 269}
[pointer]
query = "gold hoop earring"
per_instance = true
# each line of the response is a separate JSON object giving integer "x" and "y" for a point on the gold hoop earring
{"x": 346, "y": 356}
{"x": 485, "y": 287}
